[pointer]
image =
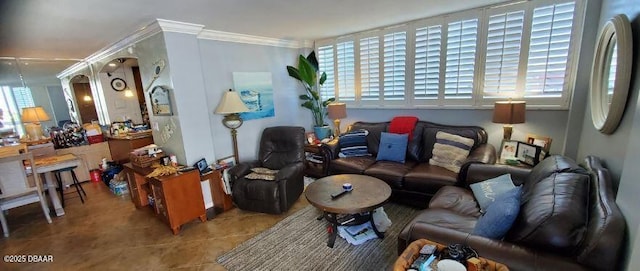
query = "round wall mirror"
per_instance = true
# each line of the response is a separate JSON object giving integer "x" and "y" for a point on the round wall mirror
{"x": 611, "y": 73}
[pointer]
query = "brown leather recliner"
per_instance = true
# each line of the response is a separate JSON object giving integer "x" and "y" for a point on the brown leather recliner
{"x": 568, "y": 218}
{"x": 282, "y": 149}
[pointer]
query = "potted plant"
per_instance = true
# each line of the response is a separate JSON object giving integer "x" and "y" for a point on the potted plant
{"x": 307, "y": 73}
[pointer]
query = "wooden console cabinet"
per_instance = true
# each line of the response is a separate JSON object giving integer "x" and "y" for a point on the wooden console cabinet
{"x": 120, "y": 147}
{"x": 176, "y": 199}
{"x": 221, "y": 201}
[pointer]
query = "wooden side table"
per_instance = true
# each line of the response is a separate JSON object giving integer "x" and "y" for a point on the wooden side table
{"x": 221, "y": 201}
{"x": 316, "y": 162}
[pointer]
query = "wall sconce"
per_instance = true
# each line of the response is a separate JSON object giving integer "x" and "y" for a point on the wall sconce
{"x": 336, "y": 112}
{"x": 509, "y": 112}
{"x": 230, "y": 106}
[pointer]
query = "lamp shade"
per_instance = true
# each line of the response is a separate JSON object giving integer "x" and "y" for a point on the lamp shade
{"x": 337, "y": 110}
{"x": 34, "y": 114}
{"x": 509, "y": 112}
{"x": 231, "y": 104}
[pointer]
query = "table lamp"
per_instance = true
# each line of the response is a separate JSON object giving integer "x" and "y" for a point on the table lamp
{"x": 31, "y": 117}
{"x": 230, "y": 106}
{"x": 336, "y": 112}
{"x": 508, "y": 113}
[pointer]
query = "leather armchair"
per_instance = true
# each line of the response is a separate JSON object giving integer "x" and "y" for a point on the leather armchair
{"x": 282, "y": 149}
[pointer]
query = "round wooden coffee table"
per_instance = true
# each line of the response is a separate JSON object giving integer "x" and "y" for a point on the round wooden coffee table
{"x": 352, "y": 208}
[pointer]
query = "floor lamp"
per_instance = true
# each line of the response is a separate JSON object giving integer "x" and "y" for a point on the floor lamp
{"x": 230, "y": 106}
{"x": 508, "y": 113}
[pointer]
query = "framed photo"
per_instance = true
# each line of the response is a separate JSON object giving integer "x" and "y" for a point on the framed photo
{"x": 508, "y": 150}
{"x": 542, "y": 141}
{"x": 202, "y": 166}
{"x": 160, "y": 101}
{"x": 311, "y": 137}
{"x": 528, "y": 153}
{"x": 227, "y": 162}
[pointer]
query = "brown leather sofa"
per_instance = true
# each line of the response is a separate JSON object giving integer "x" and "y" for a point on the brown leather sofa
{"x": 416, "y": 181}
{"x": 282, "y": 149}
{"x": 568, "y": 218}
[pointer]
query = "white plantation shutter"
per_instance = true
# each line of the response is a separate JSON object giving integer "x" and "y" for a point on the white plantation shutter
{"x": 504, "y": 37}
{"x": 427, "y": 62}
{"x": 346, "y": 71}
{"x": 549, "y": 50}
{"x": 325, "y": 64}
{"x": 394, "y": 61}
{"x": 462, "y": 37}
{"x": 22, "y": 97}
{"x": 370, "y": 68}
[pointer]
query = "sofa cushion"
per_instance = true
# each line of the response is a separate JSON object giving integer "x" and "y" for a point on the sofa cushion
{"x": 499, "y": 215}
{"x": 553, "y": 164}
{"x": 393, "y": 147}
{"x": 442, "y": 218}
{"x": 353, "y": 143}
{"x": 373, "y": 138}
{"x": 429, "y": 131}
{"x": 487, "y": 191}
{"x": 554, "y": 212}
{"x": 354, "y": 165}
{"x": 390, "y": 172}
{"x": 450, "y": 151}
{"x": 456, "y": 199}
{"x": 428, "y": 179}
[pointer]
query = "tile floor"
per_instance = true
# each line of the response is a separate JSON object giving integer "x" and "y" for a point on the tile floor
{"x": 109, "y": 233}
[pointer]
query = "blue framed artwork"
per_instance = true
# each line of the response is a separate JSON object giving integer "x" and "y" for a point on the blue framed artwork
{"x": 256, "y": 91}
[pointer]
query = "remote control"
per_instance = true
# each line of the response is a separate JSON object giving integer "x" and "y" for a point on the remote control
{"x": 335, "y": 196}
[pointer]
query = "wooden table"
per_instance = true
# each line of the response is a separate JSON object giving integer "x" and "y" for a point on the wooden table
{"x": 411, "y": 253}
{"x": 368, "y": 194}
{"x": 46, "y": 165}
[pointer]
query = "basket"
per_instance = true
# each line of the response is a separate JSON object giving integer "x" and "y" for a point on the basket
{"x": 142, "y": 160}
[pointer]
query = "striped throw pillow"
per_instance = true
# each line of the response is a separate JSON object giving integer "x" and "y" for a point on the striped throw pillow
{"x": 354, "y": 143}
{"x": 450, "y": 151}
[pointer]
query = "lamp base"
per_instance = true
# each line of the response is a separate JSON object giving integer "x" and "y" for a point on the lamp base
{"x": 336, "y": 124}
{"x": 508, "y": 130}
{"x": 33, "y": 131}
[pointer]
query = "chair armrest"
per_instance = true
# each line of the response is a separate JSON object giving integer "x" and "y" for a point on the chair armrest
{"x": 242, "y": 169}
{"x": 483, "y": 154}
{"x": 480, "y": 172}
{"x": 332, "y": 148}
{"x": 290, "y": 171}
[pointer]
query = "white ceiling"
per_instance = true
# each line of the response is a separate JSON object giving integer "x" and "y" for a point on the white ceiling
{"x": 78, "y": 28}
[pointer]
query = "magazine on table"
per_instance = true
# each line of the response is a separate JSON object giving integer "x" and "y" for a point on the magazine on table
{"x": 358, "y": 234}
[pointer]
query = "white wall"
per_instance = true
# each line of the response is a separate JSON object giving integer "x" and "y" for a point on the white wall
{"x": 118, "y": 106}
{"x": 219, "y": 61}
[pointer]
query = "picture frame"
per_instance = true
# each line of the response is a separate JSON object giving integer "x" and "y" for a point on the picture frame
{"x": 508, "y": 150}
{"x": 528, "y": 154}
{"x": 226, "y": 162}
{"x": 311, "y": 137}
{"x": 160, "y": 98}
{"x": 202, "y": 166}
{"x": 542, "y": 141}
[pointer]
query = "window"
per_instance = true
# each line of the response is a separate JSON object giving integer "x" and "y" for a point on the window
{"x": 12, "y": 100}
{"x": 325, "y": 64}
{"x": 470, "y": 58}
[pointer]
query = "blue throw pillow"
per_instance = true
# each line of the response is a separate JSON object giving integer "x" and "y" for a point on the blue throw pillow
{"x": 393, "y": 147}
{"x": 354, "y": 143}
{"x": 486, "y": 192}
{"x": 500, "y": 215}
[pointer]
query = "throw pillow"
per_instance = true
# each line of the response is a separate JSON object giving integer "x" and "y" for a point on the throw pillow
{"x": 450, "y": 151}
{"x": 393, "y": 147}
{"x": 500, "y": 215}
{"x": 354, "y": 143}
{"x": 264, "y": 170}
{"x": 259, "y": 176}
{"x": 487, "y": 191}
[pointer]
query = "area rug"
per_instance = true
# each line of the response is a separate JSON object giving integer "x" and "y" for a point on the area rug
{"x": 299, "y": 242}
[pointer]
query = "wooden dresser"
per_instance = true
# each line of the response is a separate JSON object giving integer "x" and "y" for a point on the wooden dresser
{"x": 120, "y": 147}
{"x": 175, "y": 199}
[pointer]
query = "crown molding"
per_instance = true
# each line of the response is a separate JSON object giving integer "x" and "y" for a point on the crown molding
{"x": 179, "y": 27}
{"x": 128, "y": 41}
{"x": 250, "y": 39}
{"x": 73, "y": 69}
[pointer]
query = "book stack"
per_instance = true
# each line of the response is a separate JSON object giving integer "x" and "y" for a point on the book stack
{"x": 358, "y": 234}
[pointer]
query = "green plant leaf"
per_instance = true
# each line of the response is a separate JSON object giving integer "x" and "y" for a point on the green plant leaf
{"x": 307, "y": 73}
{"x": 315, "y": 94}
{"x": 323, "y": 78}
{"x": 304, "y": 97}
{"x": 328, "y": 101}
{"x": 308, "y": 105}
{"x": 293, "y": 72}
{"x": 313, "y": 60}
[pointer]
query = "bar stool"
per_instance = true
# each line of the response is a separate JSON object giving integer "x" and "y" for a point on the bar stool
{"x": 75, "y": 183}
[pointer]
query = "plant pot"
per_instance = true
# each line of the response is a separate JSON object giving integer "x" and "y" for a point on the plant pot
{"x": 322, "y": 132}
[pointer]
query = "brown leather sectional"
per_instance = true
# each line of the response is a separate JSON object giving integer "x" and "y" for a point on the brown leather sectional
{"x": 416, "y": 181}
{"x": 568, "y": 218}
